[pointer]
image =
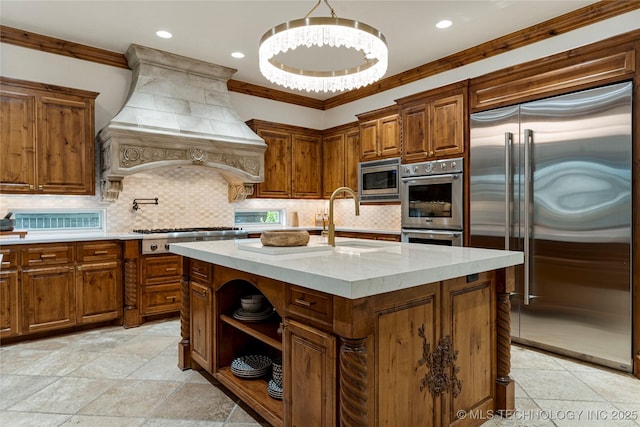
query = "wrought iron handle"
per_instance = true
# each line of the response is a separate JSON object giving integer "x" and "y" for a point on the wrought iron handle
{"x": 304, "y": 302}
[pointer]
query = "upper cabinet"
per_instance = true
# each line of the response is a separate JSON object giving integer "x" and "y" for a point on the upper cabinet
{"x": 340, "y": 156}
{"x": 379, "y": 134}
{"x": 292, "y": 162}
{"x": 47, "y": 135}
{"x": 434, "y": 123}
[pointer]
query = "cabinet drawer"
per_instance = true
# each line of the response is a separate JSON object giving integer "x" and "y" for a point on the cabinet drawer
{"x": 47, "y": 255}
{"x": 9, "y": 258}
{"x": 200, "y": 271}
{"x": 99, "y": 251}
{"x": 161, "y": 299}
{"x": 161, "y": 268}
{"x": 310, "y": 304}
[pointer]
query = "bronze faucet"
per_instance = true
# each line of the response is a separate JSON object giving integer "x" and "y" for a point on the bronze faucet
{"x": 332, "y": 226}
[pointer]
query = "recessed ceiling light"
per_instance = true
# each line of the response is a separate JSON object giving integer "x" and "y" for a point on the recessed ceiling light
{"x": 445, "y": 23}
{"x": 237, "y": 55}
{"x": 164, "y": 34}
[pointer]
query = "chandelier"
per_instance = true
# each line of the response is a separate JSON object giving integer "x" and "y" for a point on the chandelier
{"x": 323, "y": 31}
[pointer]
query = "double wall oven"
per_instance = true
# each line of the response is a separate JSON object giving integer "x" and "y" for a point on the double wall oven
{"x": 431, "y": 197}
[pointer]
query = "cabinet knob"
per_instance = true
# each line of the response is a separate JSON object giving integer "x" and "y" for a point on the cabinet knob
{"x": 31, "y": 187}
{"x": 40, "y": 187}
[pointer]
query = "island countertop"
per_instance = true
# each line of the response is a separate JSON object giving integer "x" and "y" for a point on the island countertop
{"x": 356, "y": 268}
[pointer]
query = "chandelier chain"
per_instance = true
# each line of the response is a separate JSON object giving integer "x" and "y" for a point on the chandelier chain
{"x": 333, "y": 13}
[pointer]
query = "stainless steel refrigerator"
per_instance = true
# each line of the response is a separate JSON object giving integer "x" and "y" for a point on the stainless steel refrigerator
{"x": 552, "y": 178}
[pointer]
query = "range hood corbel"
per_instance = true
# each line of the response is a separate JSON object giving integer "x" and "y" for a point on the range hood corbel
{"x": 178, "y": 113}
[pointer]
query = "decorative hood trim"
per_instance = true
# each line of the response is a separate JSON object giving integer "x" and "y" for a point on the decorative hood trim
{"x": 178, "y": 112}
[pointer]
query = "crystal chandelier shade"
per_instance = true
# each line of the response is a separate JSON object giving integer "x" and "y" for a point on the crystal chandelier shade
{"x": 320, "y": 32}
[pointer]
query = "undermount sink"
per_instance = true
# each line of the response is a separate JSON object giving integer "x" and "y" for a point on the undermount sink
{"x": 342, "y": 246}
{"x": 361, "y": 246}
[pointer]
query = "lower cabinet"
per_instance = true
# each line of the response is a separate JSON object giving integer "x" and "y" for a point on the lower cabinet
{"x": 310, "y": 381}
{"x": 53, "y": 286}
{"x": 201, "y": 313}
{"x": 48, "y": 298}
{"x": 161, "y": 278}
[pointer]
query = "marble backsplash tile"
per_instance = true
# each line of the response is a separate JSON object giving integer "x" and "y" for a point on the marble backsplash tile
{"x": 197, "y": 197}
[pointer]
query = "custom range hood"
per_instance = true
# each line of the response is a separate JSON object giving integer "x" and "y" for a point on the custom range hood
{"x": 178, "y": 112}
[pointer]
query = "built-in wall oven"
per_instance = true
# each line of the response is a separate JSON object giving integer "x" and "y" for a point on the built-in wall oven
{"x": 432, "y": 206}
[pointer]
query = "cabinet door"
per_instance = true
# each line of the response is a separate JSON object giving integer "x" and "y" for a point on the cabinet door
{"x": 333, "y": 163}
{"x": 309, "y": 376}
{"x": 99, "y": 292}
{"x": 468, "y": 313}
{"x": 405, "y": 334}
{"x": 277, "y": 165}
{"x": 352, "y": 157}
{"x": 447, "y": 125}
{"x": 201, "y": 315}
{"x": 306, "y": 177}
{"x": 17, "y": 151}
{"x": 48, "y": 298}
{"x": 415, "y": 141}
{"x": 389, "y": 142}
{"x": 368, "y": 140}
{"x": 65, "y": 146}
{"x": 9, "y": 319}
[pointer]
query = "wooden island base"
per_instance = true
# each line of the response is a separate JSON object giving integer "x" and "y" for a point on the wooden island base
{"x": 431, "y": 355}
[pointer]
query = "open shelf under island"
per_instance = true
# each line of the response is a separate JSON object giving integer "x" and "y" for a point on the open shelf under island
{"x": 384, "y": 333}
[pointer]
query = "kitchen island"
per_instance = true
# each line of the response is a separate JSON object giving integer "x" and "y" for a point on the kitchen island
{"x": 369, "y": 332}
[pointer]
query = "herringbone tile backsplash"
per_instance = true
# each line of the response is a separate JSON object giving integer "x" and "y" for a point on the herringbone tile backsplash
{"x": 197, "y": 197}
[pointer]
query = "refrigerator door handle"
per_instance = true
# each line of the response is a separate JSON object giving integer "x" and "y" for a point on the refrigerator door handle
{"x": 508, "y": 142}
{"x": 528, "y": 141}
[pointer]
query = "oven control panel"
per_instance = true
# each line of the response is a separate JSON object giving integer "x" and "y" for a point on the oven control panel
{"x": 434, "y": 167}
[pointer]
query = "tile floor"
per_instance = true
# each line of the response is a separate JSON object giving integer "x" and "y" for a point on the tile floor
{"x": 128, "y": 377}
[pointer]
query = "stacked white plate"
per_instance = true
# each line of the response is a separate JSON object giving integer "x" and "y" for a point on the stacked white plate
{"x": 253, "y": 366}
{"x": 274, "y": 390}
{"x": 247, "y": 316}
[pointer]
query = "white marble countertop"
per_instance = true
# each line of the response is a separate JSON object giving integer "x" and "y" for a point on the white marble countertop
{"x": 353, "y": 272}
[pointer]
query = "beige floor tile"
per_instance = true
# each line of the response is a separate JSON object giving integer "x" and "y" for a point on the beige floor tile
{"x": 111, "y": 366}
{"x": 525, "y": 358}
{"x": 562, "y": 385}
{"x": 99, "y": 421}
{"x": 131, "y": 398}
{"x": 163, "y": 422}
{"x": 58, "y": 363}
{"x": 14, "y": 388}
{"x": 145, "y": 344}
{"x": 30, "y": 419}
{"x": 630, "y": 410}
{"x": 97, "y": 342}
{"x": 161, "y": 368}
{"x": 17, "y": 358}
{"x": 65, "y": 396}
{"x": 615, "y": 387}
{"x": 196, "y": 402}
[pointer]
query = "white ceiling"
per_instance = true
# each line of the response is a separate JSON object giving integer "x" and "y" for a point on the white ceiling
{"x": 211, "y": 30}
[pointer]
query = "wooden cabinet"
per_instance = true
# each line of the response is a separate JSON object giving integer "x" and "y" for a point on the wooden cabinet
{"x": 99, "y": 282}
{"x": 379, "y": 134}
{"x": 310, "y": 386}
{"x": 52, "y": 286}
{"x": 293, "y": 161}
{"x": 370, "y": 236}
{"x": 9, "y": 297}
{"x": 201, "y": 314}
{"x": 434, "y": 123}
{"x": 161, "y": 278}
{"x": 47, "y": 287}
{"x": 47, "y": 139}
{"x": 340, "y": 157}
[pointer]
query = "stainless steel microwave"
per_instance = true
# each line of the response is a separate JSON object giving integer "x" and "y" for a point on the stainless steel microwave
{"x": 379, "y": 180}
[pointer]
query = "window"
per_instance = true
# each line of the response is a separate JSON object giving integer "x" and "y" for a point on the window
{"x": 81, "y": 220}
{"x": 259, "y": 217}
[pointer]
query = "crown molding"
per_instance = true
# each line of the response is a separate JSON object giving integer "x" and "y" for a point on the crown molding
{"x": 578, "y": 18}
